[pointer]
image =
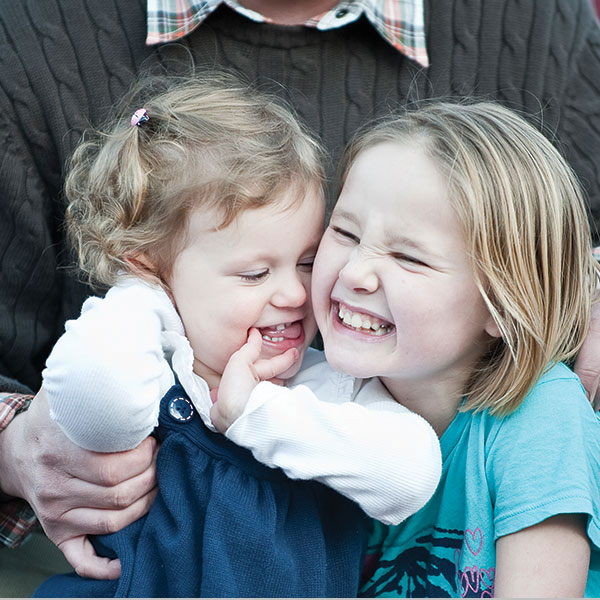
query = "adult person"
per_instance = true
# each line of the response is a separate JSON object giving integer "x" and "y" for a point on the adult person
{"x": 64, "y": 63}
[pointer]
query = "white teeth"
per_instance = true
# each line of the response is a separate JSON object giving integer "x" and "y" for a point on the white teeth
{"x": 272, "y": 339}
{"x": 356, "y": 321}
{"x": 280, "y": 327}
{"x": 362, "y": 322}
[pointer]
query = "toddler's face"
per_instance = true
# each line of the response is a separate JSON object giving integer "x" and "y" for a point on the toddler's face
{"x": 256, "y": 272}
{"x": 393, "y": 289}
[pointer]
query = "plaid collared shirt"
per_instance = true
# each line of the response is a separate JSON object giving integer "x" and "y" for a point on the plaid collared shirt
{"x": 17, "y": 520}
{"x": 400, "y": 22}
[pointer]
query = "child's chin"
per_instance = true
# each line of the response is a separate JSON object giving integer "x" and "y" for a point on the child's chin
{"x": 347, "y": 364}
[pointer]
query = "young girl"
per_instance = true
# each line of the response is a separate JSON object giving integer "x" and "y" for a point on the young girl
{"x": 463, "y": 233}
{"x": 204, "y": 212}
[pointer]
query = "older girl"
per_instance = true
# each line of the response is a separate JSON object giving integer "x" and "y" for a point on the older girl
{"x": 462, "y": 233}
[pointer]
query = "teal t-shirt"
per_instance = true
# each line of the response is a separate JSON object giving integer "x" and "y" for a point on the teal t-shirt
{"x": 499, "y": 476}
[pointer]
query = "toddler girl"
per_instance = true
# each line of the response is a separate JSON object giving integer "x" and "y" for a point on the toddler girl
{"x": 204, "y": 213}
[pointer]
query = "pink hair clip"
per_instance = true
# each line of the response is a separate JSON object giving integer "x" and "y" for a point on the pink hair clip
{"x": 139, "y": 116}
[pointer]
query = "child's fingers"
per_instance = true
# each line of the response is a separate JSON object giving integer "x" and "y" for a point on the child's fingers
{"x": 268, "y": 368}
{"x": 254, "y": 344}
{"x": 250, "y": 351}
{"x": 254, "y": 338}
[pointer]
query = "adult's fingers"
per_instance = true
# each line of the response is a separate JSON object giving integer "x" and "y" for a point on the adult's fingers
{"x": 58, "y": 495}
{"x": 587, "y": 365}
{"x": 82, "y": 520}
{"x": 54, "y": 459}
{"x": 590, "y": 379}
{"x": 112, "y": 469}
{"x": 81, "y": 555}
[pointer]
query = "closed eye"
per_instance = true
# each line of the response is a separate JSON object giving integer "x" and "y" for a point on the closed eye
{"x": 345, "y": 234}
{"x": 408, "y": 258}
{"x": 306, "y": 264}
{"x": 254, "y": 276}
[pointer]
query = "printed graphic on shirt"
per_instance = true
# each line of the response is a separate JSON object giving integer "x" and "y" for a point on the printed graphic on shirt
{"x": 442, "y": 563}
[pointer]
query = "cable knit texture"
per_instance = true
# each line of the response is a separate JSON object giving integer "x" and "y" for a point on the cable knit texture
{"x": 63, "y": 63}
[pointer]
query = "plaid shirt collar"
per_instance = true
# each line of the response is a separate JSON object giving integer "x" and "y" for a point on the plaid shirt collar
{"x": 400, "y": 22}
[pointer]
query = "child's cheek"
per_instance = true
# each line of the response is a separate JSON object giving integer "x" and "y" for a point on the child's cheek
{"x": 323, "y": 279}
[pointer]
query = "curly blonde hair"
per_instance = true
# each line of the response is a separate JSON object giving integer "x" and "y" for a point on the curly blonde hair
{"x": 210, "y": 141}
{"x": 526, "y": 227}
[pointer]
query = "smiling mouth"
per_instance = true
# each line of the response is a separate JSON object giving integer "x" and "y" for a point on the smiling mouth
{"x": 367, "y": 324}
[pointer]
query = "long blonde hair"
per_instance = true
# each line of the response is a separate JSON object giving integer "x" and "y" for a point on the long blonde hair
{"x": 527, "y": 232}
{"x": 210, "y": 141}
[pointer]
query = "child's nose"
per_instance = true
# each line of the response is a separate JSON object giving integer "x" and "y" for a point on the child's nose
{"x": 291, "y": 292}
{"x": 358, "y": 273}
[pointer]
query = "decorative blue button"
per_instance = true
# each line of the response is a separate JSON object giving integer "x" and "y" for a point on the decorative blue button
{"x": 181, "y": 409}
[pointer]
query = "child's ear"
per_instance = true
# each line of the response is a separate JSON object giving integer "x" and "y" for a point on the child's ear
{"x": 141, "y": 266}
{"x": 491, "y": 328}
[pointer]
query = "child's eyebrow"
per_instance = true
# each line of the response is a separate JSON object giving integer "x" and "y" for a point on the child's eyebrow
{"x": 391, "y": 238}
{"x": 346, "y": 215}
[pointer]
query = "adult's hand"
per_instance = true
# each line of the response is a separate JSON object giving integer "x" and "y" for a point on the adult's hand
{"x": 75, "y": 492}
{"x": 587, "y": 365}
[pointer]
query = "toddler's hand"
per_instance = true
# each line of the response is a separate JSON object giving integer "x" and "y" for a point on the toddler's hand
{"x": 241, "y": 375}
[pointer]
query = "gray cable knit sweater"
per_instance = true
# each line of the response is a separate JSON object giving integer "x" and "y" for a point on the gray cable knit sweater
{"x": 63, "y": 63}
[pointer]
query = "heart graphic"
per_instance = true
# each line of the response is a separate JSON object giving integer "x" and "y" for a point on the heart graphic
{"x": 486, "y": 576}
{"x": 474, "y": 539}
{"x": 469, "y": 581}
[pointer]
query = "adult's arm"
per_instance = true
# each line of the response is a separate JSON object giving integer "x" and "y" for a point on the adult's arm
{"x": 46, "y": 101}
{"x": 72, "y": 491}
{"x": 17, "y": 520}
{"x": 547, "y": 560}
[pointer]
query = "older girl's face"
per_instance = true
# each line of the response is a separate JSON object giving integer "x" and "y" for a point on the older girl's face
{"x": 393, "y": 289}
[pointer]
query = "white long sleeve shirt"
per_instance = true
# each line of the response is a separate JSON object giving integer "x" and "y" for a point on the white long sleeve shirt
{"x": 108, "y": 372}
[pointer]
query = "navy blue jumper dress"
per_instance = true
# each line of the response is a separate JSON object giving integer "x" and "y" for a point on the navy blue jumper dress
{"x": 225, "y": 525}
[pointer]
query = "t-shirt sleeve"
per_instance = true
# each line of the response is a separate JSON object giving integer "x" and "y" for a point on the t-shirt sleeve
{"x": 544, "y": 459}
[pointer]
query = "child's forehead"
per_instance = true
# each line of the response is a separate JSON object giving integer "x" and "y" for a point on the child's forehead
{"x": 219, "y": 212}
{"x": 292, "y": 204}
{"x": 268, "y": 234}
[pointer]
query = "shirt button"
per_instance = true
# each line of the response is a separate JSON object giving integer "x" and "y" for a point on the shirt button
{"x": 341, "y": 13}
{"x": 181, "y": 409}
